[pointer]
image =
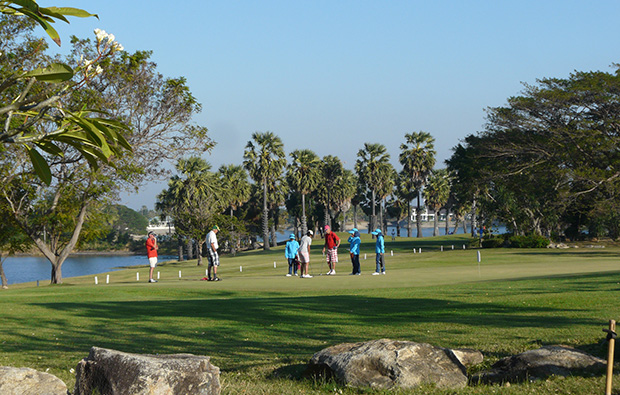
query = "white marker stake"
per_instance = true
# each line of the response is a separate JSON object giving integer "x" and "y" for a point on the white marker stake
{"x": 240, "y": 268}
{"x": 158, "y": 275}
{"x": 96, "y": 280}
{"x": 179, "y": 274}
{"x": 206, "y": 272}
{"x": 364, "y": 256}
{"x": 479, "y": 263}
{"x": 479, "y": 260}
{"x": 392, "y": 252}
{"x": 441, "y": 248}
{"x": 463, "y": 246}
{"x": 274, "y": 264}
{"x": 107, "y": 279}
{"x": 138, "y": 276}
{"x": 452, "y": 246}
{"x": 420, "y": 251}
{"x": 414, "y": 250}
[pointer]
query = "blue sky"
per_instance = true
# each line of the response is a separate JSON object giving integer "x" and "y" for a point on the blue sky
{"x": 332, "y": 75}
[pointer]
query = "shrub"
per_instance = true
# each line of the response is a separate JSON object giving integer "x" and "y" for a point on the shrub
{"x": 493, "y": 242}
{"x": 530, "y": 241}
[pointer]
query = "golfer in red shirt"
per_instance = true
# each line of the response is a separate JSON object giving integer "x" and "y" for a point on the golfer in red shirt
{"x": 332, "y": 242}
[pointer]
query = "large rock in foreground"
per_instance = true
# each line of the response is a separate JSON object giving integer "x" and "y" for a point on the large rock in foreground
{"x": 114, "y": 372}
{"x": 385, "y": 363}
{"x": 541, "y": 363}
{"x": 26, "y": 381}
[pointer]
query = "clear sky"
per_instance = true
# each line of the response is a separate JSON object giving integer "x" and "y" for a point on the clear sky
{"x": 330, "y": 75}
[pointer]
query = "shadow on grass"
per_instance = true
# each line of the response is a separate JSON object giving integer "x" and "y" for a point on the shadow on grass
{"x": 240, "y": 332}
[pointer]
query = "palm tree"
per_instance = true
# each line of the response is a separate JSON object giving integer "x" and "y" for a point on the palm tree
{"x": 372, "y": 159}
{"x": 405, "y": 193}
{"x": 436, "y": 194}
{"x": 192, "y": 198}
{"x": 303, "y": 177}
{"x": 418, "y": 159}
{"x": 264, "y": 159}
{"x": 331, "y": 171}
{"x": 235, "y": 185}
{"x": 386, "y": 180}
{"x": 237, "y": 190}
{"x": 343, "y": 192}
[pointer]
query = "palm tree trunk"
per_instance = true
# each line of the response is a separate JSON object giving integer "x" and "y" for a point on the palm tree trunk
{"x": 355, "y": 217}
{"x": 199, "y": 253}
{"x": 304, "y": 220}
{"x": 408, "y": 219}
{"x": 265, "y": 218}
{"x": 447, "y": 226}
{"x": 373, "y": 218}
{"x": 419, "y": 218}
{"x": 180, "y": 249}
{"x": 436, "y": 223}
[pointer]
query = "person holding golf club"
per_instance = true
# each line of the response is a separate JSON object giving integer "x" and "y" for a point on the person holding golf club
{"x": 380, "y": 250}
{"x": 332, "y": 242}
{"x": 304, "y": 253}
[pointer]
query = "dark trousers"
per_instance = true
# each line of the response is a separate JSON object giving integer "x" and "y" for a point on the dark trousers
{"x": 355, "y": 260}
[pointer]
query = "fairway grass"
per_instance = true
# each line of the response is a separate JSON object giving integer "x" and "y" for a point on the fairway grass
{"x": 261, "y": 327}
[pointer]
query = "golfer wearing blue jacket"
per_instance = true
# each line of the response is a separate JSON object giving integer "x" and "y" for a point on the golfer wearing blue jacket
{"x": 354, "y": 249}
{"x": 380, "y": 250}
{"x": 291, "y": 253}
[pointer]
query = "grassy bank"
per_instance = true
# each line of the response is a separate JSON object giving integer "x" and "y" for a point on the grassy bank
{"x": 261, "y": 327}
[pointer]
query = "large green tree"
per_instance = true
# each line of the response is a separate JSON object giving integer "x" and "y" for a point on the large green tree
{"x": 157, "y": 112}
{"x": 417, "y": 157}
{"x": 547, "y": 161}
{"x": 264, "y": 159}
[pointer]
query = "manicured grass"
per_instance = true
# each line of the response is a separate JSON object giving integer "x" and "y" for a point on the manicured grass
{"x": 261, "y": 327}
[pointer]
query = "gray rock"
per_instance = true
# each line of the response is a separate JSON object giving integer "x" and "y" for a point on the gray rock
{"x": 541, "y": 363}
{"x": 467, "y": 356}
{"x": 386, "y": 363}
{"x": 114, "y": 372}
{"x": 26, "y": 381}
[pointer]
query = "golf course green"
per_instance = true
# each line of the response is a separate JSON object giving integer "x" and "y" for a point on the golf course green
{"x": 261, "y": 327}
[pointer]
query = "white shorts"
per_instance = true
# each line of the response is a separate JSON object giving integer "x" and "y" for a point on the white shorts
{"x": 153, "y": 261}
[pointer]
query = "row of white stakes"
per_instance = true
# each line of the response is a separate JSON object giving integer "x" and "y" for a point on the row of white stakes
{"x": 107, "y": 280}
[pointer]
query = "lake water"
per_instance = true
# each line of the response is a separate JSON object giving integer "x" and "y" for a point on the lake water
{"x": 25, "y": 269}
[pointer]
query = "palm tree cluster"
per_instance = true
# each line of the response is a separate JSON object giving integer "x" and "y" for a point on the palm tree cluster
{"x": 315, "y": 191}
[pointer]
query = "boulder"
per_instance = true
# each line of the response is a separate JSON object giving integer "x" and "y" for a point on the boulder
{"x": 26, "y": 381}
{"x": 386, "y": 363}
{"x": 114, "y": 372}
{"x": 536, "y": 364}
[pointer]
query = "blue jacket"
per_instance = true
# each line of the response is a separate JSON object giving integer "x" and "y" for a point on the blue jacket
{"x": 355, "y": 245}
{"x": 380, "y": 246}
{"x": 291, "y": 249}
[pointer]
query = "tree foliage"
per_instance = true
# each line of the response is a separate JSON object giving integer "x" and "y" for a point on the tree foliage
{"x": 548, "y": 154}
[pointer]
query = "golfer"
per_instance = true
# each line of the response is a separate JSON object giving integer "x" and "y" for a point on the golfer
{"x": 151, "y": 253}
{"x": 304, "y": 254}
{"x": 214, "y": 258}
{"x": 380, "y": 250}
{"x": 290, "y": 253}
{"x": 332, "y": 242}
